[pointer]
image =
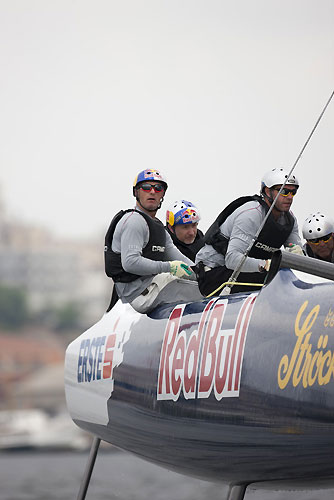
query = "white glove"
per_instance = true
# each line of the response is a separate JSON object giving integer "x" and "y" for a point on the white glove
{"x": 265, "y": 266}
{"x": 297, "y": 249}
{"x": 179, "y": 269}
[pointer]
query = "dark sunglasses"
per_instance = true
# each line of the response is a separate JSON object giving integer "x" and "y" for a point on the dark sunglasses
{"x": 147, "y": 187}
{"x": 285, "y": 191}
{"x": 325, "y": 238}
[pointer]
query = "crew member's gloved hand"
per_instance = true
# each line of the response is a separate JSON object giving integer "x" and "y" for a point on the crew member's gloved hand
{"x": 179, "y": 269}
{"x": 265, "y": 266}
{"x": 297, "y": 249}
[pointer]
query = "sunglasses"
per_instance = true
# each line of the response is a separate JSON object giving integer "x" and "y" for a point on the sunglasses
{"x": 147, "y": 187}
{"x": 285, "y": 191}
{"x": 316, "y": 241}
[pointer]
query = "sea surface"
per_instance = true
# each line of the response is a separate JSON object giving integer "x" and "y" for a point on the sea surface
{"x": 116, "y": 475}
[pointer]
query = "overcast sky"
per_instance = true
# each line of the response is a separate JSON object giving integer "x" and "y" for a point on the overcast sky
{"x": 213, "y": 93}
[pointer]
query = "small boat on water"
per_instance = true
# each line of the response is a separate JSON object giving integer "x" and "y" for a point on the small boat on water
{"x": 33, "y": 429}
{"x": 236, "y": 388}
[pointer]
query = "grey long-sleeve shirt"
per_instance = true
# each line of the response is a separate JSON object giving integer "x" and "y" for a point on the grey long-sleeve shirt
{"x": 130, "y": 237}
{"x": 240, "y": 228}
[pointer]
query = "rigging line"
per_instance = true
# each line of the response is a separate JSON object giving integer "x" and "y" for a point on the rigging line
{"x": 311, "y": 133}
{"x": 236, "y": 272}
{"x": 234, "y": 283}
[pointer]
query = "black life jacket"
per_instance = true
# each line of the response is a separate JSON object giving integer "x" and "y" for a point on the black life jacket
{"x": 154, "y": 250}
{"x": 309, "y": 251}
{"x": 270, "y": 239}
{"x": 189, "y": 250}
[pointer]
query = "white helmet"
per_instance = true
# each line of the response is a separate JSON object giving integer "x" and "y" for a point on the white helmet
{"x": 182, "y": 212}
{"x": 317, "y": 225}
{"x": 278, "y": 176}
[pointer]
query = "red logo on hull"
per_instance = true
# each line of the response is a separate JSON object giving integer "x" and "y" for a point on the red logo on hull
{"x": 210, "y": 361}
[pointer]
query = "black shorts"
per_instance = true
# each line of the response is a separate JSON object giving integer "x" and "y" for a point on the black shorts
{"x": 209, "y": 281}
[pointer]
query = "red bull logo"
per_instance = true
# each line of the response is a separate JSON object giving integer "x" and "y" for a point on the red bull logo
{"x": 148, "y": 174}
{"x": 210, "y": 361}
{"x": 189, "y": 215}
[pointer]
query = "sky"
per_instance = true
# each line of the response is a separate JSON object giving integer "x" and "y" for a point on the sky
{"x": 213, "y": 93}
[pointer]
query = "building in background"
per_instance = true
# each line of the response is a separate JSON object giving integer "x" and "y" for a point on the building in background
{"x": 53, "y": 272}
{"x": 22, "y": 358}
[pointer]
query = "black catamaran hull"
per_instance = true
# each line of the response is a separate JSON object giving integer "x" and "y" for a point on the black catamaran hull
{"x": 237, "y": 388}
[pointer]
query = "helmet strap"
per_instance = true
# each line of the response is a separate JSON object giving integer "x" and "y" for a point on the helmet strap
{"x": 270, "y": 199}
{"x": 162, "y": 199}
{"x": 264, "y": 194}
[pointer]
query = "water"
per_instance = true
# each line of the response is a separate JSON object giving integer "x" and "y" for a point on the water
{"x": 116, "y": 476}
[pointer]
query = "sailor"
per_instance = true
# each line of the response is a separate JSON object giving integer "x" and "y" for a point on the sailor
{"x": 318, "y": 231}
{"x": 140, "y": 257}
{"x": 228, "y": 238}
{"x": 182, "y": 225}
